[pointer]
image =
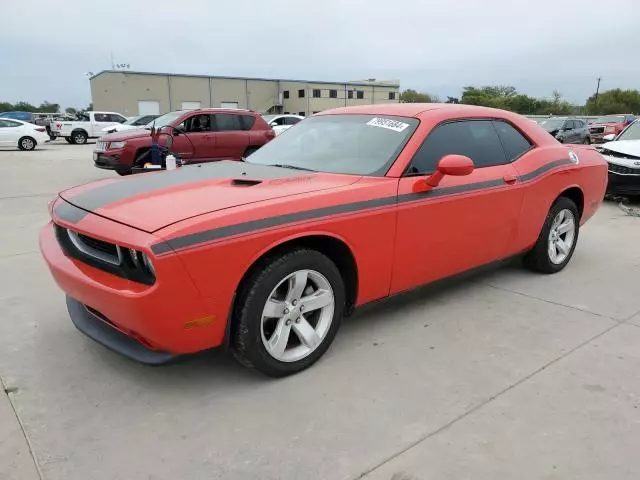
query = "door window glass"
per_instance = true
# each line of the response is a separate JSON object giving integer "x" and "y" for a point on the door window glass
{"x": 197, "y": 123}
{"x": 476, "y": 139}
{"x": 227, "y": 122}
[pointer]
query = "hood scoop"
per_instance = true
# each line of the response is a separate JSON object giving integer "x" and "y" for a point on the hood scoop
{"x": 245, "y": 182}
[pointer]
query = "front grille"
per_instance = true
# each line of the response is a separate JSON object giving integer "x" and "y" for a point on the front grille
{"x": 596, "y": 130}
{"x": 619, "y": 169}
{"x": 101, "y": 146}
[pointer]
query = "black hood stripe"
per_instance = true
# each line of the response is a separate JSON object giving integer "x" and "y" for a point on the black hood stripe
{"x": 205, "y": 236}
{"x": 146, "y": 183}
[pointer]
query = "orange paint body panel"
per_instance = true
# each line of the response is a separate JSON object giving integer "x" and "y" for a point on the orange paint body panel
{"x": 204, "y": 235}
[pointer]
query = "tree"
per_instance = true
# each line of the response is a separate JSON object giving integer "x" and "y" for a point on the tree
{"x": 614, "y": 101}
{"x": 6, "y": 107}
{"x": 71, "y": 110}
{"x": 90, "y": 107}
{"x": 411, "y": 96}
{"x": 452, "y": 100}
{"x": 24, "y": 107}
{"x": 47, "y": 107}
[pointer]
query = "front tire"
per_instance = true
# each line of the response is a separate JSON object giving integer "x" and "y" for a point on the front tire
{"x": 288, "y": 313}
{"x": 79, "y": 137}
{"x": 558, "y": 238}
{"x": 27, "y": 143}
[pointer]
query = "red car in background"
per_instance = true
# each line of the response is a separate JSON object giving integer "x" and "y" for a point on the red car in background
{"x": 199, "y": 136}
{"x": 351, "y": 206}
{"x": 609, "y": 124}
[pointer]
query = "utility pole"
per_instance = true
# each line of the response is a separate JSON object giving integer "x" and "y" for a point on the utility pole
{"x": 595, "y": 100}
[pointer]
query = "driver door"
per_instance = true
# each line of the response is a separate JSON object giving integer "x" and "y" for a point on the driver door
{"x": 465, "y": 221}
{"x": 197, "y": 142}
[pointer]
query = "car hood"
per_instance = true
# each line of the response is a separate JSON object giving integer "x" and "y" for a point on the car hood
{"x": 126, "y": 134}
{"x": 625, "y": 147}
{"x": 151, "y": 201}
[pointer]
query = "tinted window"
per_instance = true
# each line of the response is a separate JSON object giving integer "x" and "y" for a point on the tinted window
{"x": 316, "y": 93}
{"x": 513, "y": 142}
{"x": 285, "y": 94}
{"x": 227, "y": 122}
{"x": 247, "y": 121}
{"x": 9, "y": 123}
{"x": 300, "y": 93}
{"x": 114, "y": 117}
{"x": 197, "y": 123}
{"x": 102, "y": 117}
{"x": 571, "y": 124}
{"x": 360, "y": 94}
{"x": 291, "y": 120}
{"x": 333, "y": 94}
{"x": 578, "y": 123}
{"x": 476, "y": 139}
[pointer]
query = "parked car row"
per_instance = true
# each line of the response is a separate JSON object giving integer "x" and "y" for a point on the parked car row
{"x": 622, "y": 154}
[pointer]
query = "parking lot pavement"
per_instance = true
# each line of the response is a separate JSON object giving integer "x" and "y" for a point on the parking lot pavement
{"x": 501, "y": 374}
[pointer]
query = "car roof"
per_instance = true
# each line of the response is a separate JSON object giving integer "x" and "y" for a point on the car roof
{"x": 13, "y": 120}
{"x": 419, "y": 110}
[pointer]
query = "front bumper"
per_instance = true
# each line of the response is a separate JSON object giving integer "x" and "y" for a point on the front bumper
{"x": 99, "y": 328}
{"x": 623, "y": 184}
{"x": 150, "y": 323}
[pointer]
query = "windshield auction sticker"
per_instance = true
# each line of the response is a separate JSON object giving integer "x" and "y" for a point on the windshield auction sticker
{"x": 389, "y": 124}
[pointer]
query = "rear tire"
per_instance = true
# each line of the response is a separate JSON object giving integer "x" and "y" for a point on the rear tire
{"x": 558, "y": 239}
{"x": 587, "y": 141}
{"x": 79, "y": 137}
{"x": 296, "y": 278}
{"x": 27, "y": 143}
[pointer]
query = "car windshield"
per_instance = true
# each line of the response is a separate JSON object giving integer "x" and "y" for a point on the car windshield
{"x": 164, "y": 120}
{"x": 132, "y": 120}
{"x": 351, "y": 144}
{"x": 552, "y": 124}
{"x": 632, "y": 132}
{"x": 609, "y": 119}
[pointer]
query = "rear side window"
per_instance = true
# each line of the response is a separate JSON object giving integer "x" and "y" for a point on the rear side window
{"x": 247, "y": 121}
{"x": 228, "y": 122}
{"x": 291, "y": 120}
{"x": 9, "y": 124}
{"x": 102, "y": 117}
{"x": 513, "y": 142}
{"x": 476, "y": 139}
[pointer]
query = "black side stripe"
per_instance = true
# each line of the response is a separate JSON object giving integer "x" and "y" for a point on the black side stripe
{"x": 69, "y": 213}
{"x": 264, "y": 223}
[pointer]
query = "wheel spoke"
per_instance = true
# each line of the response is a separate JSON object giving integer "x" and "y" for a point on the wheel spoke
{"x": 552, "y": 251}
{"x": 297, "y": 284}
{"x": 279, "y": 339}
{"x": 562, "y": 246}
{"x": 319, "y": 299}
{"x": 273, "y": 308}
{"x": 306, "y": 333}
{"x": 566, "y": 226}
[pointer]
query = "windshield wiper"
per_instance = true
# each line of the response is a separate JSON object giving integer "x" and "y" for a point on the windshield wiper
{"x": 293, "y": 167}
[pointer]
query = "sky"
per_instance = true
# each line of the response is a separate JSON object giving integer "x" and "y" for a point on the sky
{"x": 434, "y": 46}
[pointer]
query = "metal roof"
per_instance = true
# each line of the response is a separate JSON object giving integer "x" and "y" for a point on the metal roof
{"x": 224, "y": 77}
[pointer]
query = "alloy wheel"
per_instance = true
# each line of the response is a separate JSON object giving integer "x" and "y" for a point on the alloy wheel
{"x": 561, "y": 236}
{"x": 297, "y": 315}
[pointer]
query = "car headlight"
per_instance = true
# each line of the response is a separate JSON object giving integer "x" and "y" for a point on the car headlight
{"x": 609, "y": 130}
{"x": 117, "y": 144}
{"x": 141, "y": 262}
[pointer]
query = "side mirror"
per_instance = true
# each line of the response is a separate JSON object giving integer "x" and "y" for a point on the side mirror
{"x": 454, "y": 165}
{"x": 273, "y": 124}
{"x": 609, "y": 137}
{"x": 177, "y": 131}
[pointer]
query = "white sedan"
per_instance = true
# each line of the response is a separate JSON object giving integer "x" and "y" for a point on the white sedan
{"x": 139, "y": 121}
{"x": 283, "y": 122}
{"x": 25, "y": 136}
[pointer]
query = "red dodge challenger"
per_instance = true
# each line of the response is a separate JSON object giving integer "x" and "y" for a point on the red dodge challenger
{"x": 349, "y": 206}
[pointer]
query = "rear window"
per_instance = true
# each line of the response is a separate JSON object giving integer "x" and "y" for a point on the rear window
{"x": 513, "y": 142}
{"x": 247, "y": 121}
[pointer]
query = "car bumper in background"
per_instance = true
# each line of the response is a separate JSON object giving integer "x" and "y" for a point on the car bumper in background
{"x": 107, "y": 162}
{"x": 623, "y": 184}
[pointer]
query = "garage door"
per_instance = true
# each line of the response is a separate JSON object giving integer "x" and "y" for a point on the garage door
{"x": 190, "y": 105}
{"x": 148, "y": 107}
{"x": 229, "y": 104}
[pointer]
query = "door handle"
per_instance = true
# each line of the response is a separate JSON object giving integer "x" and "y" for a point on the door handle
{"x": 510, "y": 179}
